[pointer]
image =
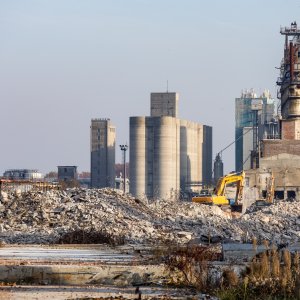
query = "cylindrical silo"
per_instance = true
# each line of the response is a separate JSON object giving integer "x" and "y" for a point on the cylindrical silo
{"x": 190, "y": 155}
{"x": 176, "y": 159}
{"x": 194, "y": 163}
{"x": 166, "y": 157}
{"x": 137, "y": 156}
{"x": 294, "y": 107}
{"x": 183, "y": 155}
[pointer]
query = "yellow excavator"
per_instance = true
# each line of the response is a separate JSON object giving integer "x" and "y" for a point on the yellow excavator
{"x": 218, "y": 197}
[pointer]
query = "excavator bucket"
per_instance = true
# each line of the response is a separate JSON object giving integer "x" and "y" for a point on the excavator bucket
{"x": 237, "y": 207}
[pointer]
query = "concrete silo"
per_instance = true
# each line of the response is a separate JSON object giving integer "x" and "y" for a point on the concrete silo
{"x": 137, "y": 156}
{"x": 165, "y": 176}
{"x": 195, "y": 155}
{"x": 154, "y": 157}
{"x": 167, "y": 154}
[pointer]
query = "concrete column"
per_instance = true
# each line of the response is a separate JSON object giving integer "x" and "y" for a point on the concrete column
{"x": 137, "y": 156}
{"x": 166, "y": 157}
{"x": 183, "y": 154}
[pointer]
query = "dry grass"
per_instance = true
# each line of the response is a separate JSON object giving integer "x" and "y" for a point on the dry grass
{"x": 230, "y": 279}
{"x": 190, "y": 266}
{"x": 272, "y": 274}
{"x": 254, "y": 244}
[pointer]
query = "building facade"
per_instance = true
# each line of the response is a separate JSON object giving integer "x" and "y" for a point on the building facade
{"x": 168, "y": 155}
{"x": 252, "y": 124}
{"x": 281, "y": 156}
{"x": 103, "y": 139}
{"x": 195, "y": 155}
{"x": 164, "y": 104}
{"x": 67, "y": 173}
{"x": 23, "y": 174}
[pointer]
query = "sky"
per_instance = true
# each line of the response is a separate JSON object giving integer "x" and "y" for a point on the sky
{"x": 63, "y": 62}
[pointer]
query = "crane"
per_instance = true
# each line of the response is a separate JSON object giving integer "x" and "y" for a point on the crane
{"x": 218, "y": 159}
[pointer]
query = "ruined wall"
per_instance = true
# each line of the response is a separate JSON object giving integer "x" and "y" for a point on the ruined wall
{"x": 276, "y": 147}
{"x": 291, "y": 129}
{"x": 286, "y": 171}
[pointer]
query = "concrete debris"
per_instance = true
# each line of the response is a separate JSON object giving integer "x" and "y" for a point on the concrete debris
{"x": 45, "y": 217}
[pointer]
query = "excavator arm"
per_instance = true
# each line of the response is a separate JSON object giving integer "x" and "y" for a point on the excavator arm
{"x": 230, "y": 178}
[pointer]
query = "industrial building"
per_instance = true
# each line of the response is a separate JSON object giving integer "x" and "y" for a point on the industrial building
{"x": 168, "y": 156}
{"x": 154, "y": 156}
{"x": 164, "y": 104}
{"x": 103, "y": 140}
{"x": 67, "y": 173}
{"x": 22, "y": 174}
{"x": 255, "y": 119}
{"x": 281, "y": 156}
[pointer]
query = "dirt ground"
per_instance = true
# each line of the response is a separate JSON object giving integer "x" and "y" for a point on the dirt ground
{"x": 89, "y": 292}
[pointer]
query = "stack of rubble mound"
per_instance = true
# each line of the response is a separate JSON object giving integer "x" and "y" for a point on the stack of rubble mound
{"x": 49, "y": 217}
{"x": 279, "y": 223}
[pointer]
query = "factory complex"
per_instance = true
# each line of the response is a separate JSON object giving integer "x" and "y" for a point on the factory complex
{"x": 167, "y": 223}
{"x": 172, "y": 158}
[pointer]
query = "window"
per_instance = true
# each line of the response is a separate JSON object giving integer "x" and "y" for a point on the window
{"x": 247, "y": 181}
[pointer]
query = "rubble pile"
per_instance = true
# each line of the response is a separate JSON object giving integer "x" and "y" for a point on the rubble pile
{"x": 279, "y": 223}
{"x": 45, "y": 217}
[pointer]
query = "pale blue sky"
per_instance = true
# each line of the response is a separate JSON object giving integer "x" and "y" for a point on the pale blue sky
{"x": 63, "y": 62}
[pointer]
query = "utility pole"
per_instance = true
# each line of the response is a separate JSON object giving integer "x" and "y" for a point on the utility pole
{"x": 124, "y": 149}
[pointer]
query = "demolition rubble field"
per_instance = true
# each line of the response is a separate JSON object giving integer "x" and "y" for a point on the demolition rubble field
{"x": 48, "y": 217}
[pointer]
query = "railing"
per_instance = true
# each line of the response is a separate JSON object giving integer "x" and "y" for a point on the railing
{"x": 7, "y": 185}
{"x": 290, "y": 30}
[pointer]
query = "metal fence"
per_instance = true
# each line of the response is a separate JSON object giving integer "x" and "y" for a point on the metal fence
{"x": 26, "y": 185}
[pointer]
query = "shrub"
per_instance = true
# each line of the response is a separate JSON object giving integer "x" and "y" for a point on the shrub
{"x": 190, "y": 266}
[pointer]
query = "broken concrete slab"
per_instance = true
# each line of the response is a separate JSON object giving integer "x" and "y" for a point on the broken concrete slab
{"x": 48, "y": 217}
